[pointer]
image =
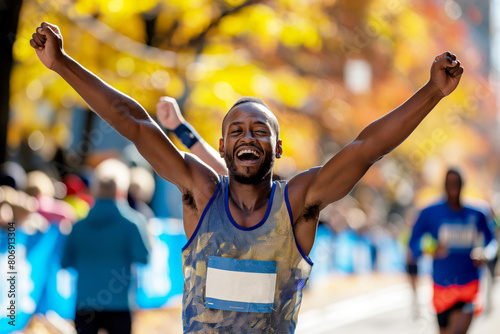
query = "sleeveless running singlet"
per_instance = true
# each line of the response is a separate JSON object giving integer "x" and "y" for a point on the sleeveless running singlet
{"x": 243, "y": 280}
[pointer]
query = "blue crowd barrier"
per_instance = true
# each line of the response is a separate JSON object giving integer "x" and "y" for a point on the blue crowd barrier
{"x": 33, "y": 256}
{"x": 42, "y": 285}
{"x": 322, "y": 253}
{"x": 160, "y": 282}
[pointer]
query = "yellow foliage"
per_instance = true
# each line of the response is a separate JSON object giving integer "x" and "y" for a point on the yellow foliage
{"x": 233, "y": 26}
{"x": 298, "y": 31}
{"x": 175, "y": 87}
{"x": 292, "y": 90}
{"x": 234, "y": 3}
{"x": 291, "y": 53}
{"x": 121, "y": 8}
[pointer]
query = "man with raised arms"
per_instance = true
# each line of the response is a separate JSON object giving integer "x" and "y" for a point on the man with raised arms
{"x": 246, "y": 262}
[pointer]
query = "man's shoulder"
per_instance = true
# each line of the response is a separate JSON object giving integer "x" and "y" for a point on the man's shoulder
{"x": 300, "y": 182}
{"x": 434, "y": 207}
{"x": 474, "y": 210}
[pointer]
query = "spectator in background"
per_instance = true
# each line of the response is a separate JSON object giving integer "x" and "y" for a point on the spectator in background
{"x": 17, "y": 206}
{"x": 461, "y": 233}
{"x": 13, "y": 175}
{"x": 6, "y": 211}
{"x": 41, "y": 187}
{"x": 102, "y": 248}
{"x": 140, "y": 193}
{"x": 77, "y": 195}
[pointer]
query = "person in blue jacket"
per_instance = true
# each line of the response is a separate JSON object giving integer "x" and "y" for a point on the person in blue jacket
{"x": 102, "y": 248}
{"x": 464, "y": 243}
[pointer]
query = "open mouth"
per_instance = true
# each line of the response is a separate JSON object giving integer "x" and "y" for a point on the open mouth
{"x": 248, "y": 155}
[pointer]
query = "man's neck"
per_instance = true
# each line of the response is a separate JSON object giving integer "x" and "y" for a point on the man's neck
{"x": 454, "y": 204}
{"x": 250, "y": 197}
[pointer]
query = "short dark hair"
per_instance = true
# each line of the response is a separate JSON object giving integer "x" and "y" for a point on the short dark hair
{"x": 247, "y": 99}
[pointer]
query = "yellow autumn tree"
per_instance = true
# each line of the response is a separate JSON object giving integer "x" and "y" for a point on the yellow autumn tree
{"x": 296, "y": 55}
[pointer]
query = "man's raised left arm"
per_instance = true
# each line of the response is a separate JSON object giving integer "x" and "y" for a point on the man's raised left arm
{"x": 339, "y": 175}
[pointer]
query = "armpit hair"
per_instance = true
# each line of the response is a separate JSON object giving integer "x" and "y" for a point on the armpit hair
{"x": 310, "y": 212}
{"x": 188, "y": 199}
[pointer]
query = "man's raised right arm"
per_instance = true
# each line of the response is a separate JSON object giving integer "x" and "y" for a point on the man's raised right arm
{"x": 120, "y": 111}
{"x": 169, "y": 115}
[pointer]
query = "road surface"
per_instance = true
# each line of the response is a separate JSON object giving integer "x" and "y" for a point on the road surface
{"x": 387, "y": 310}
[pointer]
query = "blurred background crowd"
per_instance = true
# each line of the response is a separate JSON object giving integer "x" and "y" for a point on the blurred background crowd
{"x": 327, "y": 68}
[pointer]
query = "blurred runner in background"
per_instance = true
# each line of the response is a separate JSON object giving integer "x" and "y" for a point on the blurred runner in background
{"x": 464, "y": 243}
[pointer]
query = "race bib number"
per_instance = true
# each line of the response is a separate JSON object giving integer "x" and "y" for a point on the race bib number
{"x": 240, "y": 285}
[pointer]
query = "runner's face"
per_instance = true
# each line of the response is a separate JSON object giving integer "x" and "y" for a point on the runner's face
{"x": 453, "y": 185}
{"x": 250, "y": 146}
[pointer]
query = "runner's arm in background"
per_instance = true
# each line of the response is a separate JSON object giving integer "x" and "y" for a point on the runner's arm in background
{"x": 482, "y": 255}
{"x": 169, "y": 115}
{"x": 420, "y": 228}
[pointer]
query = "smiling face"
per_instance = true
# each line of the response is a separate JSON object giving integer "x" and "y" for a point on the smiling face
{"x": 250, "y": 142}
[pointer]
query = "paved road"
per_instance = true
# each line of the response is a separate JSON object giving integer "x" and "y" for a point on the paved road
{"x": 368, "y": 304}
{"x": 388, "y": 311}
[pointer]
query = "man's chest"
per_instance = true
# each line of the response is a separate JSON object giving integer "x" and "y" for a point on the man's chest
{"x": 458, "y": 232}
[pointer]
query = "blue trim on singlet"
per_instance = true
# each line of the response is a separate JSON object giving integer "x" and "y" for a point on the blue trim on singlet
{"x": 308, "y": 260}
{"x": 269, "y": 206}
{"x": 203, "y": 214}
{"x": 238, "y": 306}
{"x": 247, "y": 266}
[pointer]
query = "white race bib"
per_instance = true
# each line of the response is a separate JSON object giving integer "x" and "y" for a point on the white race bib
{"x": 240, "y": 285}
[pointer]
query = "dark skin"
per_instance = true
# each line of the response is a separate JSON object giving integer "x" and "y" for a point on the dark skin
{"x": 458, "y": 321}
{"x": 249, "y": 127}
{"x": 309, "y": 191}
{"x": 453, "y": 188}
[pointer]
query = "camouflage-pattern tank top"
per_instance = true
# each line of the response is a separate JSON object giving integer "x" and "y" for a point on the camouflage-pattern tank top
{"x": 243, "y": 280}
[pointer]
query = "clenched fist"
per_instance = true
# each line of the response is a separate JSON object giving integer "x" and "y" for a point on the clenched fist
{"x": 446, "y": 72}
{"x": 168, "y": 113}
{"x": 48, "y": 43}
